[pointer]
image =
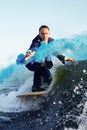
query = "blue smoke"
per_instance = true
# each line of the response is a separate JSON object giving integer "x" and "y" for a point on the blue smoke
{"x": 75, "y": 47}
{"x": 6, "y": 73}
{"x": 70, "y": 47}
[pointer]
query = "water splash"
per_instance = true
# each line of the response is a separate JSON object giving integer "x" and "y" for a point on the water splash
{"x": 14, "y": 79}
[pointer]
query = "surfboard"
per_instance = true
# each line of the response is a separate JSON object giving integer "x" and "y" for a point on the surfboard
{"x": 38, "y": 93}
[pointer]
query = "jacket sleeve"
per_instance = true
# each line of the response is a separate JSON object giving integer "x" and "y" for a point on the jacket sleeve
{"x": 35, "y": 44}
{"x": 32, "y": 47}
{"x": 61, "y": 58}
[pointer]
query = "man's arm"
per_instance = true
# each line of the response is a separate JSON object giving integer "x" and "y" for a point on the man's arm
{"x": 34, "y": 45}
{"x": 63, "y": 59}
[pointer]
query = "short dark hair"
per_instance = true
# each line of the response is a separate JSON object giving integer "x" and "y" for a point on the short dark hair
{"x": 43, "y": 26}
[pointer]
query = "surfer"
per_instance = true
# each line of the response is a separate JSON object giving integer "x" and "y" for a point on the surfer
{"x": 42, "y": 70}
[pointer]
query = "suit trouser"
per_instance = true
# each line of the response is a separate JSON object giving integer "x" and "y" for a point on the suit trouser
{"x": 40, "y": 72}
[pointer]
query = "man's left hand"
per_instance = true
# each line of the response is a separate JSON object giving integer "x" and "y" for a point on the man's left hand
{"x": 70, "y": 59}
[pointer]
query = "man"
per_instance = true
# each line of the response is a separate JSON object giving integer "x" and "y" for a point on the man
{"x": 41, "y": 70}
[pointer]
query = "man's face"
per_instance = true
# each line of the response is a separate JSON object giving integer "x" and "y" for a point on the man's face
{"x": 44, "y": 34}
